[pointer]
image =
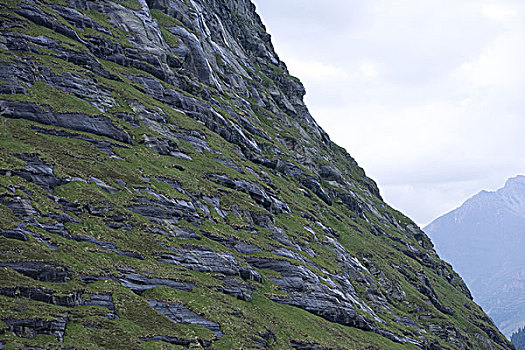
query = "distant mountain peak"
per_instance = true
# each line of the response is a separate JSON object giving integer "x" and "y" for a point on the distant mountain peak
{"x": 518, "y": 179}
{"x": 484, "y": 240}
{"x": 509, "y": 198}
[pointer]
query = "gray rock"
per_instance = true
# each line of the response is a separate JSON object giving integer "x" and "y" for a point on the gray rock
{"x": 202, "y": 112}
{"x": 39, "y": 17}
{"x": 104, "y": 146}
{"x": 265, "y": 339}
{"x": 233, "y": 243}
{"x": 78, "y": 19}
{"x": 204, "y": 259}
{"x": 109, "y": 189}
{"x": 215, "y": 202}
{"x": 219, "y": 69}
{"x": 298, "y": 345}
{"x": 178, "y": 313}
{"x": 351, "y": 202}
{"x": 449, "y": 333}
{"x": 163, "y": 209}
{"x": 331, "y": 173}
{"x": 165, "y": 147}
{"x": 38, "y": 172}
{"x": 38, "y": 348}
{"x": 43, "y": 295}
{"x": 306, "y": 291}
{"x": 40, "y": 271}
{"x": 106, "y": 245}
{"x": 288, "y": 168}
{"x": 30, "y": 328}
{"x": 313, "y": 184}
{"x": 139, "y": 283}
{"x": 98, "y": 125}
{"x": 191, "y": 51}
{"x": 425, "y": 288}
{"x": 227, "y": 162}
{"x": 406, "y": 321}
{"x": 234, "y": 287}
{"x": 186, "y": 343}
{"x": 101, "y": 300}
{"x": 258, "y": 194}
{"x": 491, "y": 333}
{"x": 17, "y": 76}
{"x": 181, "y": 232}
{"x": 83, "y": 87}
{"x": 20, "y": 206}
{"x": 16, "y": 233}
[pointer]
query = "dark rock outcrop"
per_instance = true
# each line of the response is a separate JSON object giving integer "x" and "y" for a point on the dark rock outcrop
{"x": 98, "y": 125}
{"x": 43, "y": 295}
{"x": 30, "y": 328}
{"x": 258, "y": 194}
{"x": 139, "y": 283}
{"x": 178, "y": 313}
{"x": 40, "y": 271}
{"x": 204, "y": 259}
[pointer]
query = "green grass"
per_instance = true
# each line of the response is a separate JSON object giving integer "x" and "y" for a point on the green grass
{"x": 131, "y": 4}
{"x": 60, "y": 101}
{"x": 164, "y": 20}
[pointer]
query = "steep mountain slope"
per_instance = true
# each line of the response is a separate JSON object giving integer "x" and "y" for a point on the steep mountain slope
{"x": 485, "y": 239}
{"x": 164, "y": 186}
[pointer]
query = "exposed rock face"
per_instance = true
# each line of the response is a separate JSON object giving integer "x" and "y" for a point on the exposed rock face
{"x": 31, "y": 328}
{"x": 40, "y": 271}
{"x": 163, "y": 184}
{"x": 484, "y": 240}
{"x": 180, "y": 314}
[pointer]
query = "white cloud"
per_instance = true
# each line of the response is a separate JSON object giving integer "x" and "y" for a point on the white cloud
{"x": 499, "y": 63}
{"x": 368, "y": 69}
{"x": 315, "y": 70}
{"x": 498, "y": 11}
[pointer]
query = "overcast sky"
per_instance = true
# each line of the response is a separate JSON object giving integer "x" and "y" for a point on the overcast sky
{"x": 427, "y": 95}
